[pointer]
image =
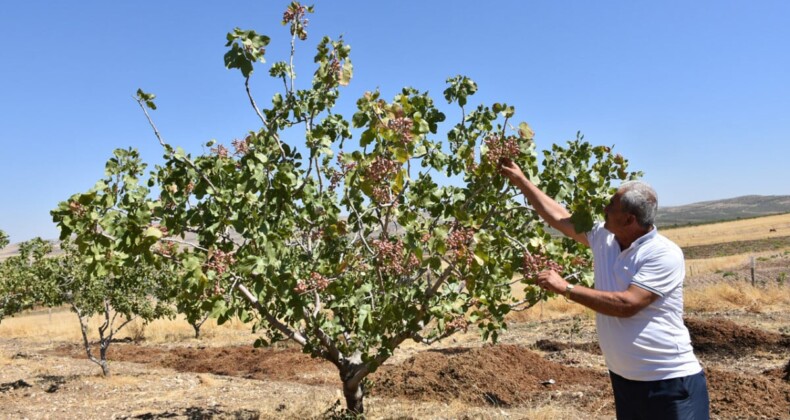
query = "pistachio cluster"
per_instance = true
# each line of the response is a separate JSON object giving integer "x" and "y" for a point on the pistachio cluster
{"x": 390, "y": 257}
{"x": 458, "y": 242}
{"x": 402, "y": 126}
{"x": 534, "y": 264}
{"x": 316, "y": 281}
{"x": 500, "y": 147}
{"x": 220, "y": 261}
{"x": 381, "y": 172}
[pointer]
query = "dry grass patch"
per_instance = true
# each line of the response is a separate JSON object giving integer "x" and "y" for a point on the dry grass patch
{"x": 207, "y": 380}
{"x": 738, "y": 230}
{"x": 730, "y": 296}
{"x": 697, "y": 267}
{"x": 407, "y": 409}
{"x": 62, "y": 325}
{"x": 552, "y": 309}
{"x": 162, "y": 330}
{"x": 42, "y": 326}
{"x": 178, "y": 330}
{"x": 113, "y": 381}
{"x": 5, "y": 360}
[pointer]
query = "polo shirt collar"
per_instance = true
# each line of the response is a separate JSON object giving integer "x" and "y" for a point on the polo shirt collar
{"x": 644, "y": 238}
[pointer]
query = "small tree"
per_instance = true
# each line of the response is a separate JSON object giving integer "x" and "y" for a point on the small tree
{"x": 3, "y": 239}
{"x": 137, "y": 290}
{"x": 129, "y": 292}
{"x": 348, "y": 249}
{"x": 196, "y": 311}
{"x": 197, "y": 319}
{"x": 22, "y": 277}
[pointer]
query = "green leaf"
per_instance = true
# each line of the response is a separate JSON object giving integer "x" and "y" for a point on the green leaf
{"x": 235, "y": 59}
{"x": 582, "y": 221}
{"x": 244, "y": 316}
{"x": 525, "y": 131}
{"x": 147, "y": 98}
{"x": 363, "y": 315}
{"x": 153, "y": 232}
{"x": 346, "y": 73}
{"x": 219, "y": 308}
{"x": 366, "y": 138}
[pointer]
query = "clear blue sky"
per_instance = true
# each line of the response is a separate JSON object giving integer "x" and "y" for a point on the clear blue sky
{"x": 695, "y": 93}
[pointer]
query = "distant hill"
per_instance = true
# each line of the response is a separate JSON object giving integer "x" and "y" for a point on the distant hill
{"x": 13, "y": 249}
{"x": 745, "y": 207}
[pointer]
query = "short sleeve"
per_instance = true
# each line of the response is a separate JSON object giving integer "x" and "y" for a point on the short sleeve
{"x": 595, "y": 233}
{"x": 661, "y": 273}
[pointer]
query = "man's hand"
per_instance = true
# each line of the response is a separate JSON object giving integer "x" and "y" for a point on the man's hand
{"x": 552, "y": 281}
{"x": 511, "y": 171}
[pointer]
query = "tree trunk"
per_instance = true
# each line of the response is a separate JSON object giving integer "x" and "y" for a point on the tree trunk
{"x": 102, "y": 362}
{"x": 105, "y": 367}
{"x": 354, "y": 397}
{"x": 352, "y": 373}
{"x": 198, "y": 324}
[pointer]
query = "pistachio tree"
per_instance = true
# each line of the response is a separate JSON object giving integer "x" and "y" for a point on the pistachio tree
{"x": 35, "y": 277}
{"x": 137, "y": 290}
{"x": 22, "y": 277}
{"x": 347, "y": 234}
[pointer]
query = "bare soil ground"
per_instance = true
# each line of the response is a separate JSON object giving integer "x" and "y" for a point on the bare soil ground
{"x": 537, "y": 364}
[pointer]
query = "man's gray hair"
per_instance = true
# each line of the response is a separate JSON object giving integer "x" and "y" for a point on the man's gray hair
{"x": 641, "y": 200}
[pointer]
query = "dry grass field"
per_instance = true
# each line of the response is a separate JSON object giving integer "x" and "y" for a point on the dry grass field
{"x": 772, "y": 231}
{"x": 741, "y": 332}
{"x": 735, "y": 231}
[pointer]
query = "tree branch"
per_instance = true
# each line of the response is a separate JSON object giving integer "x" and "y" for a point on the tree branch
{"x": 285, "y": 329}
{"x": 428, "y": 341}
{"x": 182, "y": 242}
{"x": 128, "y": 320}
{"x": 169, "y": 148}
{"x": 151, "y": 121}
{"x": 516, "y": 307}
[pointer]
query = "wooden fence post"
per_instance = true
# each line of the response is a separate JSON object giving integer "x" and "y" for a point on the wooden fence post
{"x": 752, "y": 258}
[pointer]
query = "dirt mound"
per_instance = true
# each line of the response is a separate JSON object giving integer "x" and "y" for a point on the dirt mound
{"x": 782, "y": 373}
{"x": 500, "y": 375}
{"x": 741, "y": 396}
{"x": 553, "y": 345}
{"x": 507, "y": 375}
{"x": 719, "y": 336}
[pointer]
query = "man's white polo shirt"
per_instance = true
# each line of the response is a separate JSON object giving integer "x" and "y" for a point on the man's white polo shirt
{"x": 653, "y": 344}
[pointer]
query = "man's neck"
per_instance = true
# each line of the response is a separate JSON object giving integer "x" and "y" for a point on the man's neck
{"x": 631, "y": 236}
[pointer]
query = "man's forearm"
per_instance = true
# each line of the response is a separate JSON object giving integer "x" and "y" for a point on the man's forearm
{"x": 548, "y": 209}
{"x": 619, "y": 304}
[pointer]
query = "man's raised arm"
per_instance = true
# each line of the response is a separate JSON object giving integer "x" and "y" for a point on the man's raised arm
{"x": 551, "y": 211}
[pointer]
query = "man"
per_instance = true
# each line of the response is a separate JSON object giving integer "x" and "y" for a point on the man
{"x": 638, "y": 300}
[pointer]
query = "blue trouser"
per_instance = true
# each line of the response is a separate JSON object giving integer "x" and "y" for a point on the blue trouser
{"x": 676, "y": 398}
